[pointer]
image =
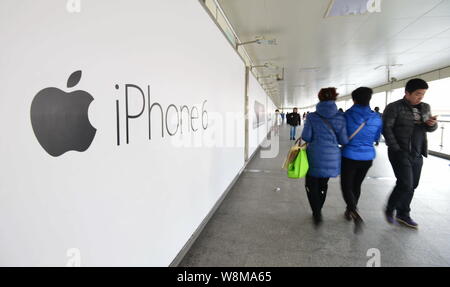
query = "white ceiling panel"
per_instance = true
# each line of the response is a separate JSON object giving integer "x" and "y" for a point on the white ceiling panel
{"x": 425, "y": 28}
{"x": 398, "y": 46}
{"x": 398, "y": 9}
{"x": 432, "y": 46}
{"x": 346, "y": 50}
{"x": 443, "y": 9}
{"x": 405, "y": 59}
{"x": 378, "y": 28}
{"x": 445, "y": 34}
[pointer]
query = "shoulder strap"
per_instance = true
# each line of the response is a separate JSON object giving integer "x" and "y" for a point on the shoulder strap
{"x": 357, "y": 131}
{"x": 329, "y": 125}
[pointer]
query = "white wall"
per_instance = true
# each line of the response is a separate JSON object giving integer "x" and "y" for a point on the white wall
{"x": 129, "y": 204}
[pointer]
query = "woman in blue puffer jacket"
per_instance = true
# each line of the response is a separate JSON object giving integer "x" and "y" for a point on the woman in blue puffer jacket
{"x": 358, "y": 154}
{"x": 324, "y": 131}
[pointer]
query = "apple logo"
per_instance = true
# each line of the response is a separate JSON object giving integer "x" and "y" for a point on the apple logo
{"x": 60, "y": 120}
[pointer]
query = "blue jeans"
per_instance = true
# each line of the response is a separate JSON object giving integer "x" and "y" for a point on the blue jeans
{"x": 293, "y": 130}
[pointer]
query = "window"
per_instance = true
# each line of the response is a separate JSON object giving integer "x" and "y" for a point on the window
{"x": 378, "y": 100}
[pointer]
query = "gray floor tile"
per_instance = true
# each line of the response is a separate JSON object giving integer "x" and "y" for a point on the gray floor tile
{"x": 257, "y": 225}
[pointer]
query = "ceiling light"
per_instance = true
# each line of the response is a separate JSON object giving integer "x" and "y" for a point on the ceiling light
{"x": 265, "y": 65}
{"x": 266, "y": 77}
{"x": 260, "y": 40}
{"x": 267, "y": 42}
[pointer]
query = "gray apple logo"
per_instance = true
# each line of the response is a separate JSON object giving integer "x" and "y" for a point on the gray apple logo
{"x": 60, "y": 120}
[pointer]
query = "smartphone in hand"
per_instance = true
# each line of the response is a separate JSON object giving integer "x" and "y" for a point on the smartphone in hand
{"x": 428, "y": 117}
{"x": 431, "y": 121}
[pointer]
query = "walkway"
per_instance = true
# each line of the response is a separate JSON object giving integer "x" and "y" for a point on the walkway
{"x": 257, "y": 225}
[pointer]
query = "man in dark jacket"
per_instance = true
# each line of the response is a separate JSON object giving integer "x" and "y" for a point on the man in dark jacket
{"x": 293, "y": 119}
{"x": 406, "y": 123}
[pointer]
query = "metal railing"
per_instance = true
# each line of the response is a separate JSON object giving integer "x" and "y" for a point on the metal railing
{"x": 439, "y": 141}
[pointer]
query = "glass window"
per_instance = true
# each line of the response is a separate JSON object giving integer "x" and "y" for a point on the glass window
{"x": 437, "y": 97}
{"x": 348, "y": 104}
{"x": 396, "y": 95}
{"x": 341, "y": 105}
{"x": 378, "y": 100}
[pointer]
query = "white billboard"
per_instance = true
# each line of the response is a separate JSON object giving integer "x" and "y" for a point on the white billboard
{"x": 119, "y": 129}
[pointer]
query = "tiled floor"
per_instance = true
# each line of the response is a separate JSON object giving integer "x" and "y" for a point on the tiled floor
{"x": 259, "y": 226}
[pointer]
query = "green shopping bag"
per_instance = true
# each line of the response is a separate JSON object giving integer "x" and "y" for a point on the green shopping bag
{"x": 299, "y": 166}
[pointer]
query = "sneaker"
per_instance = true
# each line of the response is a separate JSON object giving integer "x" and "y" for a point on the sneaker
{"x": 407, "y": 221}
{"x": 389, "y": 217}
{"x": 359, "y": 222}
{"x": 347, "y": 215}
{"x": 317, "y": 219}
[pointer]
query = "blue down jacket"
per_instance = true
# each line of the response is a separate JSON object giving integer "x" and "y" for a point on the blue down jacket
{"x": 361, "y": 146}
{"x": 324, "y": 154}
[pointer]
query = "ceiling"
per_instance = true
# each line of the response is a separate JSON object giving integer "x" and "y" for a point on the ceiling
{"x": 341, "y": 51}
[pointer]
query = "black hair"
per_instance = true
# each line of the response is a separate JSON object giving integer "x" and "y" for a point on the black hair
{"x": 415, "y": 84}
{"x": 362, "y": 96}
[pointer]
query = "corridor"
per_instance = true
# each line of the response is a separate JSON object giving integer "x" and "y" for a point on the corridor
{"x": 256, "y": 225}
{"x": 133, "y": 132}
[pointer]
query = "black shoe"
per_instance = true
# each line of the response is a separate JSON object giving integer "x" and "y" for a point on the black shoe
{"x": 359, "y": 222}
{"x": 389, "y": 216}
{"x": 317, "y": 219}
{"x": 407, "y": 221}
{"x": 347, "y": 215}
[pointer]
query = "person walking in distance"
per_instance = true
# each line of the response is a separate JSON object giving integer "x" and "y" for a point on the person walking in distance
{"x": 406, "y": 123}
{"x": 377, "y": 110}
{"x": 276, "y": 127}
{"x": 364, "y": 127}
{"x": 324, "y": 131}
{"x": 293, "y": 119}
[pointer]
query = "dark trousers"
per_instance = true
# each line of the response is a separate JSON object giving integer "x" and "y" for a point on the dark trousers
{"x": 316, "y": 189}
{"x": 407, "y": 169}
{"x": 353, "y": 173}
